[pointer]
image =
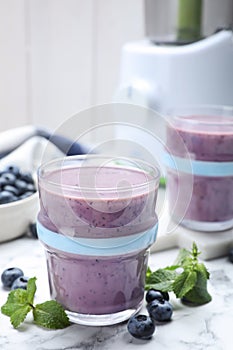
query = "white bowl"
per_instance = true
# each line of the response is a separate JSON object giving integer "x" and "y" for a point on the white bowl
{"x": 16, "y": 216}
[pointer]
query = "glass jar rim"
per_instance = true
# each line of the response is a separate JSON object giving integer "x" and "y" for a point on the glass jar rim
{"x": 205, "y": 110}
{"x": 153, "y": 171}
{"x": 221, "y": 115}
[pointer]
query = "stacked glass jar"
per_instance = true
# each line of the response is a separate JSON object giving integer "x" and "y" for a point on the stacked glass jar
{"x": 97, "y": 221}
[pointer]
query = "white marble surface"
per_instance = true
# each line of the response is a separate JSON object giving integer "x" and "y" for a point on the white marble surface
{"x": 203, "y": 327}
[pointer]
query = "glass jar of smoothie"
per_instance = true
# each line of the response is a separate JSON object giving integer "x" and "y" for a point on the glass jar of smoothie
{"x": 200, "y": 164}
{"x": 97, "y": 221}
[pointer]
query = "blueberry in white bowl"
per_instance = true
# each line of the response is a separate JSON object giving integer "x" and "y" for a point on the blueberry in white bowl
{"x": 19, "y": 203}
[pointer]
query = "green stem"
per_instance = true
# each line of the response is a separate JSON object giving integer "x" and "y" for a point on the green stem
{"x": 31, "y": 305}
{"x": 189, "y": 20}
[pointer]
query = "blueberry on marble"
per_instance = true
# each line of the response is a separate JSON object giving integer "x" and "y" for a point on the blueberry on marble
{"x": 160, "y": 311}
{"x": 141, "y": 326}
{"x": 154, "y": 294}
{"x": 20, "y": 282}
{"x": 10, "y": 275}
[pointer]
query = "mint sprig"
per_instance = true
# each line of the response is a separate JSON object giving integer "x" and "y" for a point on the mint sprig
{"x": 20, "y": 302}
{"x": 50, "y": 314}
{"x": 190, "y": 285}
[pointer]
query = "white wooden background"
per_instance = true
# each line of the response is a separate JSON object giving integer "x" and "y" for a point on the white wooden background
{"x": 58, "y": 57}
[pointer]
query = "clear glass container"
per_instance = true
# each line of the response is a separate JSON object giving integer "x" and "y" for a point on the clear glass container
{"x": 97, "y": 221}
{"x": 200, "y": 167}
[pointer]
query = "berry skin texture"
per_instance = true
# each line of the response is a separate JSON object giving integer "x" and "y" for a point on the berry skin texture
{"x": 153, "y": 294}
{"x": 141, "y": 327}
{"x": 20, "y": 282}
{"x": 10, "y": 275}
{"x": 160, "y": 311}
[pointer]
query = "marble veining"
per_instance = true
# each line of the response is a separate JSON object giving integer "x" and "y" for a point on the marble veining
{"x": 207, "y": 327}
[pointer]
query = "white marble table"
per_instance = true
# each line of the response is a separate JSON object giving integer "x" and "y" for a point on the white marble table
{"x": 203, "y": 327}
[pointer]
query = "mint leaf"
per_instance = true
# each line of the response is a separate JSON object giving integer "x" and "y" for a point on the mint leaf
{"x": 16, "y": 306}
{"x": 190, "y": 285}
{"x": 160, "y": 275}
{"x": 19, "y": 315}
{"x": 202, "y": 269}
{"x": 31, "y": 290}
{"x": 182, "y": 257}
{"x": 184, "y": 283}
{"x": 199, "y": 295}
{"x": 16, "y": 300}
{"x": 50, "y": 315}
{"x": 161, "y": 279}
{"x": 20, "y": 302}
{"x": 165, "y": 286}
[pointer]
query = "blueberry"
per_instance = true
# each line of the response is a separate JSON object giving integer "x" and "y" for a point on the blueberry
{"x": 21, "y": 185}
{"x": 14, "y": 169}
{"x": 3, "y": 182}
{"x": 15, "y": 185}
{"x": 10, "y": 275}
{"x": 27, "y": 177}
{"x": 12, "y": 189}
{"x": 230, "y": 255}
{"x": 31, "y": 187}
{"x": 9, "y": 178}
{"x": 160, "y": 311}
{"x": 26, "y": 194}
{"x": 141, "y": 326}
{"x": 153, "y": 294}
{"x": 7, "y": 197}
{"x": 20, "y": 282}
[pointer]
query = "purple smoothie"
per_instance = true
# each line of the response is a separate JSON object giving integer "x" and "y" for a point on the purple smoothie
{"x": 207, "y": 138}
{"x": 122, "y": 204}
{"x": 119, "y": 205}
{"x": 97, "y": 285}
